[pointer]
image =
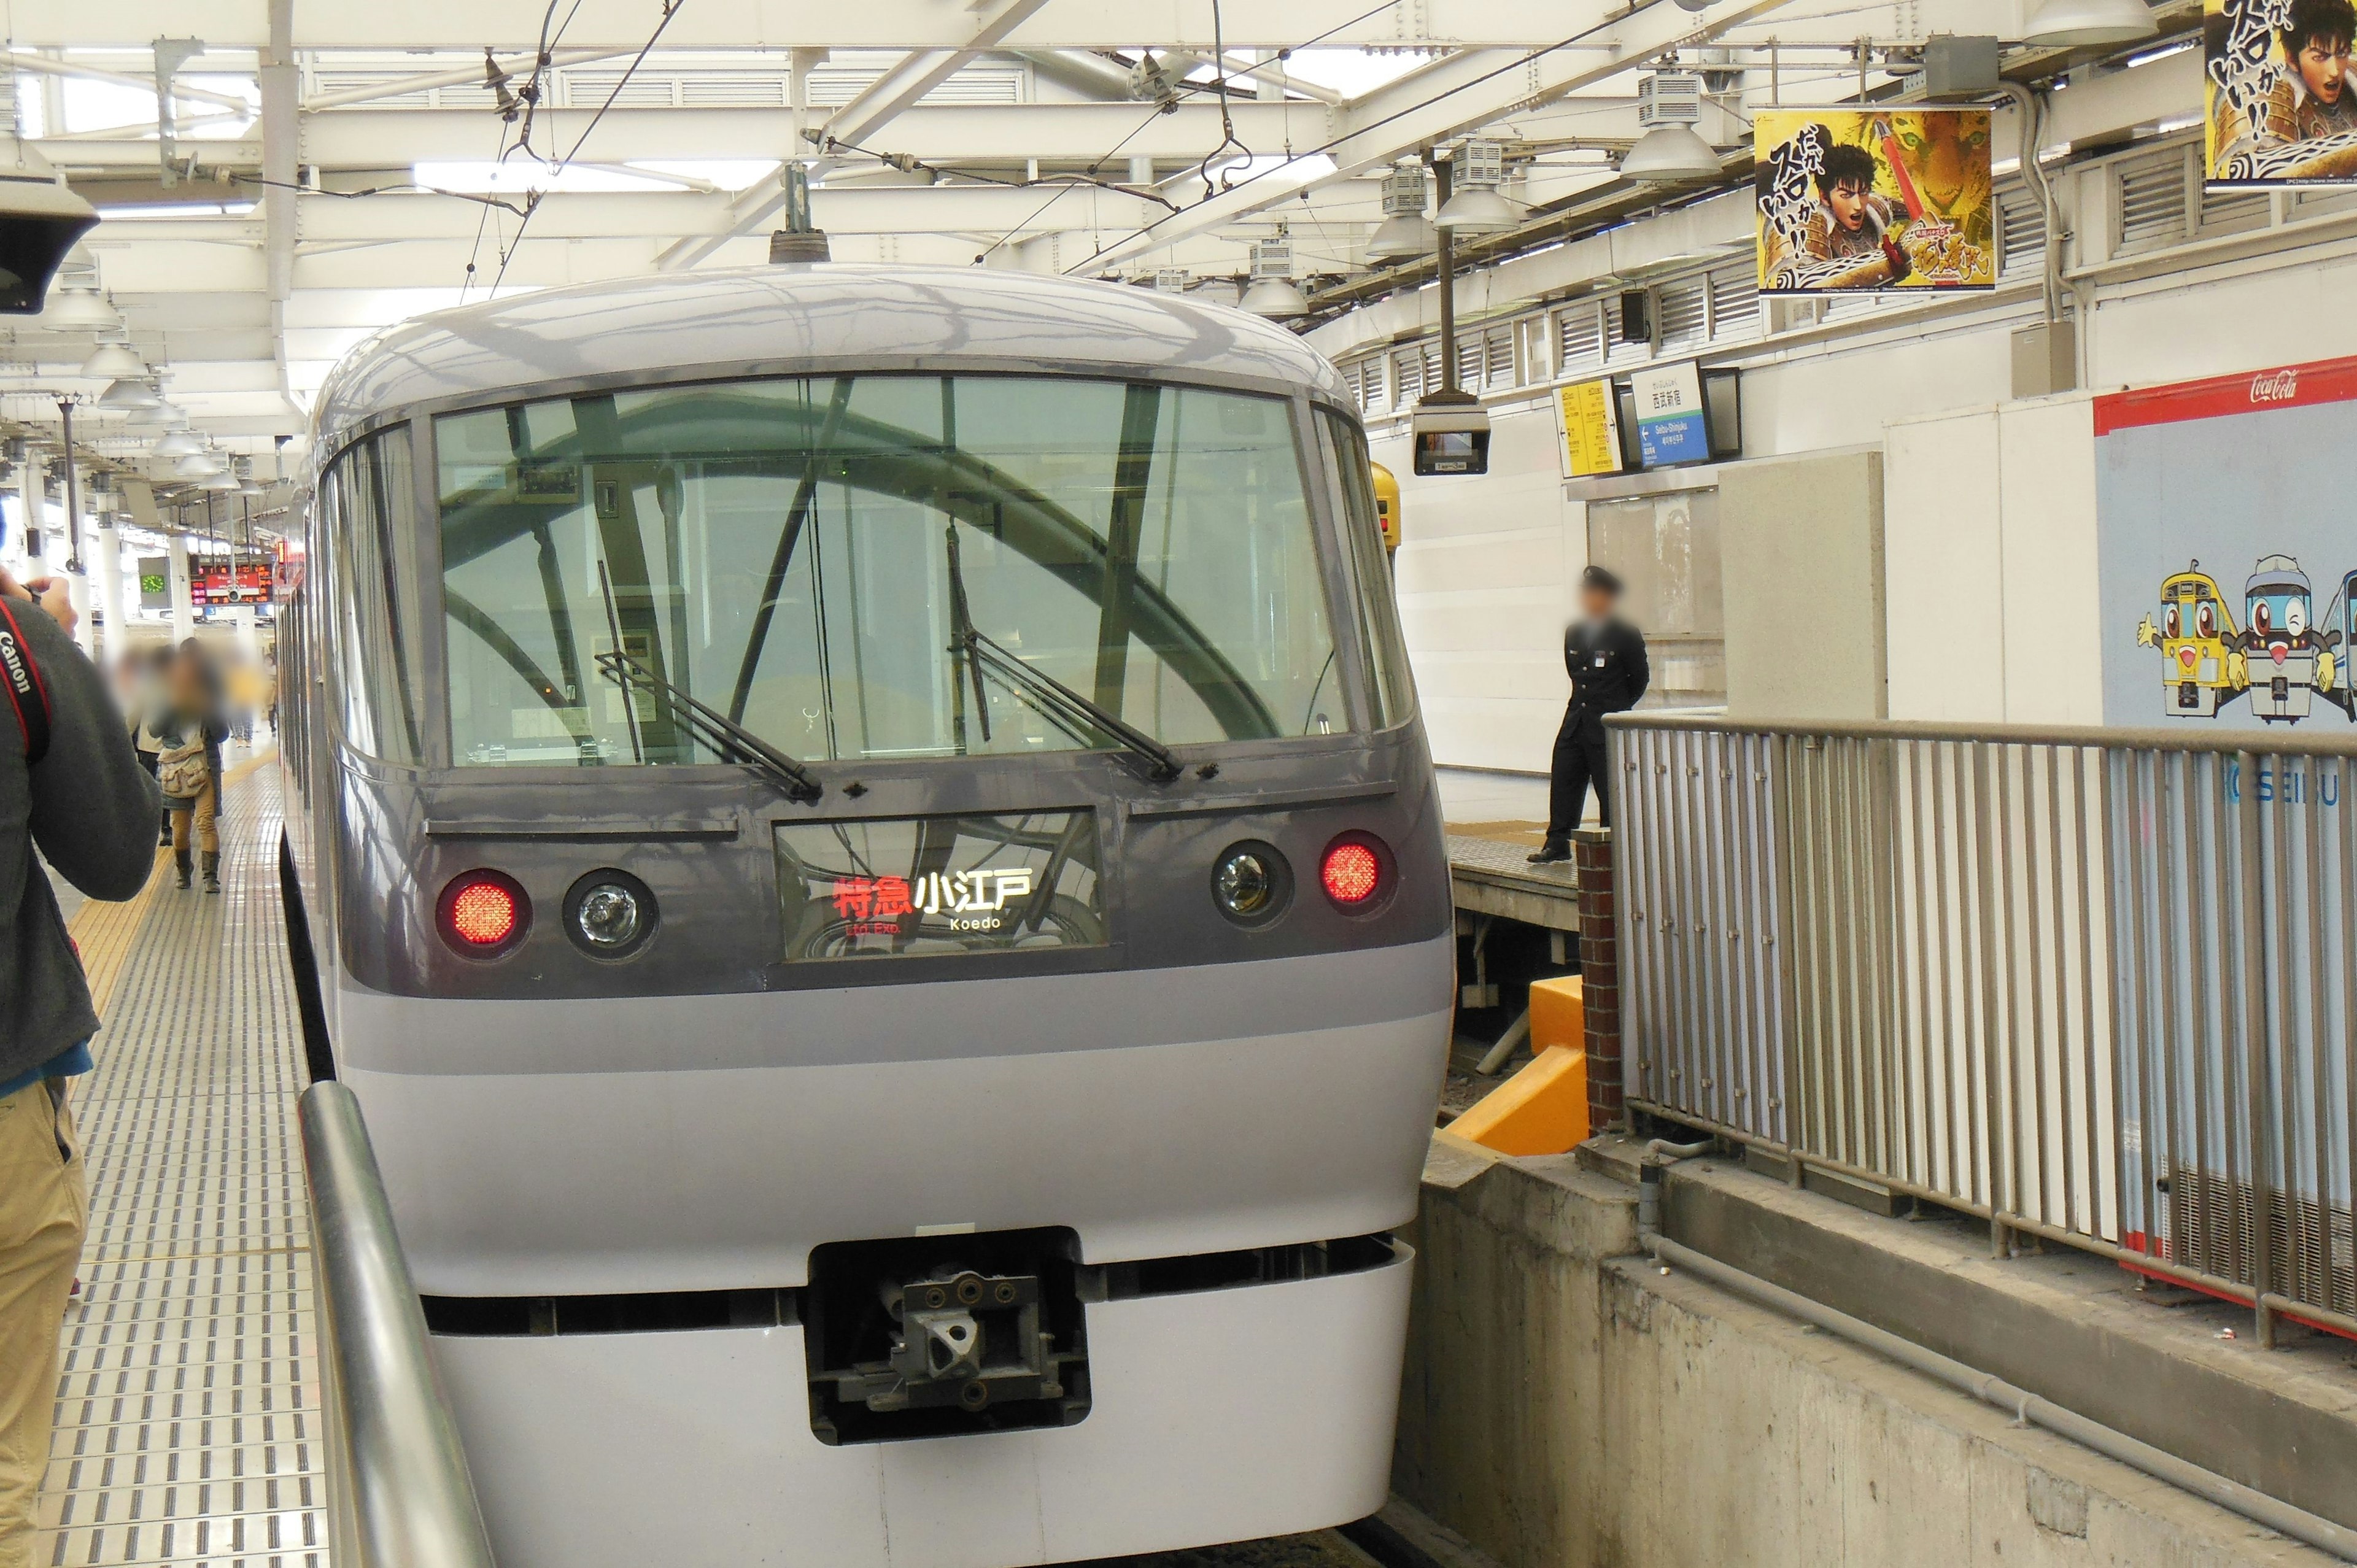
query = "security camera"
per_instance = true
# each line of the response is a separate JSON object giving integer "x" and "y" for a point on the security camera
{"x": 40, "y": 219}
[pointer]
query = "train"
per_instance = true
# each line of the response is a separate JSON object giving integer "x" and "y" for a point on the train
{"x": 862, "y": 838}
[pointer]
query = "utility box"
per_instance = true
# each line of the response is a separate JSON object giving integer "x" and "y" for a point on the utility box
{"x": 1957, "y": 69}
{"x": 2045, "y": 359}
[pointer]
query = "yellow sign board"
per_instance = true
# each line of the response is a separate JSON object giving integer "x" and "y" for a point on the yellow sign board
{"x": 1592, "y": 429}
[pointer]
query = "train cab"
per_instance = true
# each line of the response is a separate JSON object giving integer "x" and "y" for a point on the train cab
{"x": 2282, "y": 646}
{"x": 2198, "y": 638}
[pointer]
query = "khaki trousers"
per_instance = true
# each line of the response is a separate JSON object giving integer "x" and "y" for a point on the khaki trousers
{"x": 190, "y": 819}
{"x": 44, "y": 1204}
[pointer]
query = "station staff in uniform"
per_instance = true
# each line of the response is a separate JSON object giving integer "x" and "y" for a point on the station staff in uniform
{"x": 1605, "y": 658}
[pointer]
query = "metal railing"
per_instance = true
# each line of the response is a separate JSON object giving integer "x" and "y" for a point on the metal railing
{"x": 399, "y": 1495}
{"x": 2094, "y": 985}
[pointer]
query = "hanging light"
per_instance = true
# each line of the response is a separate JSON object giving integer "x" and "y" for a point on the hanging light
{"x": 114, "y": 361}
{"x": 80, "y": 310}
{"x": 198, "y": 464}
{"x": 164, "y": 416}
{"x": 1404, "y": 231}
{"x": 219, "y": 479}
{"x": 129, "y": 394}
{"x": 1272, "y": 293}
{"x": 1669, "y": 107}
{"x": 1475, "y": 207}
{"x": 2066, "y": 24}
{"x": 178, "y": 442}
{"x": 247, "y": 485}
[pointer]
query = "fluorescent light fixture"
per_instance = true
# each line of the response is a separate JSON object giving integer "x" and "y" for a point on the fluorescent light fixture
{"x": 2070, "y": 24}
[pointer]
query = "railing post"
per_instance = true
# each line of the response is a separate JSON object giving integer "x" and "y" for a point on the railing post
{"x": 2252, "y": 932}
{"x": 1600, "y": 978}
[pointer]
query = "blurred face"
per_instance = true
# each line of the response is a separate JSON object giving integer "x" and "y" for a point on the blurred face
{"x": 2323, "y": 67}
{"x": 1846, "y": 201}
{"x": 1595, "y": 603}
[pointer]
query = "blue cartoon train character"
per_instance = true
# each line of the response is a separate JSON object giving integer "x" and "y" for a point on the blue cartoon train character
{"x": 2200, "y": 642}
{"x": 2288, "y": 656}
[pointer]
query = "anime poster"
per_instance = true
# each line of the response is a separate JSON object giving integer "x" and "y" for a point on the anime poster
{"x": 2281, "y": 108}
{"x": 1872, "y": 200}
{"x": 2227, "y": 562}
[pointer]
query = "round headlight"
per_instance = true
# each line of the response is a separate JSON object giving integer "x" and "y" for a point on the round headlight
{"x": 610, "y": 914}
{"x": 1252, "y": 883}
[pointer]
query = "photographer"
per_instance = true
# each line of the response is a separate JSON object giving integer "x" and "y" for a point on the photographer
{"x": 72, "y": 785}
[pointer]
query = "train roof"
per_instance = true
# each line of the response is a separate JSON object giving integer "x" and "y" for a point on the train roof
{"x": 674, "y": 325}
{"x": 2277, "y": 572}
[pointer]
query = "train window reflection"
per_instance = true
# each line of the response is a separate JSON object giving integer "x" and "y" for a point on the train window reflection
{"x": 782, "y": 549}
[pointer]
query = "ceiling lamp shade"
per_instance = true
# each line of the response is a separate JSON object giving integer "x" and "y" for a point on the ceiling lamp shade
{"x": 1272, "y": 293}
{"x": 80, "y": 310}
{"x": 1476, "y": 208}
{"x": 179, "y": 443}
{"x": 41, "y": 222}
{"x": 162, "y": 415}
{"x": 219, "y": 479}
{"x": 1669, "y": 107}
{"x": 128, "y": 394}
{"x": 2067, "y": 23}
{"x": 1404, "y": 231}
{"x": 114, "y": 361}
{"x": 199, "y": 465}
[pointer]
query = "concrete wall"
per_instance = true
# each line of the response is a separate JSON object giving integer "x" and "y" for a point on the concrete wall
{"x": 1801, "y": 546}
{"x": 1567, "y": 1406}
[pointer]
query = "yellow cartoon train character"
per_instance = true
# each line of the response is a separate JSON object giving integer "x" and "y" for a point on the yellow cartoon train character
{"x": 2203, "y": 647}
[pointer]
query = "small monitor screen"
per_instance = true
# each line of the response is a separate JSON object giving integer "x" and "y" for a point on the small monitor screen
{"x": 1452, "y": 452}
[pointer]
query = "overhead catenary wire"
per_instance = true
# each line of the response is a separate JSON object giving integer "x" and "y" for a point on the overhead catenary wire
{"x": 515, "y": 242}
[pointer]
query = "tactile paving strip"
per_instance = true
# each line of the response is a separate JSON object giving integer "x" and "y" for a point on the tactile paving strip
{"x": 187, "y": 1409}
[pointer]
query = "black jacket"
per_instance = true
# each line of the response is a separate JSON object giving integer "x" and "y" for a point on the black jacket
{"x": 1609, "y": 675}
{"x": 92, "y": 811}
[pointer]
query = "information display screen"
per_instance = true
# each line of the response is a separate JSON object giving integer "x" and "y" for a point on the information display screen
{"x": 925, "y": 887}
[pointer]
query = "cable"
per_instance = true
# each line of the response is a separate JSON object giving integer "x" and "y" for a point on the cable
{"x": 515, "y": 242}
{"x": 1227, "y": 120}
{"x": 1356, "y": 131}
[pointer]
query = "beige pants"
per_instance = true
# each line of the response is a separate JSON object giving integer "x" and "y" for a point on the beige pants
{"x": 44, "y": 1204}
{"x": 195, "y": 814}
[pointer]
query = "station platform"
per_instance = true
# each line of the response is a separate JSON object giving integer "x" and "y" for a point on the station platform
{"x": 187, "y": 1406}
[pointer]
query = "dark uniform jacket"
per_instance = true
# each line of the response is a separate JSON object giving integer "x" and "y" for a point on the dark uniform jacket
{"x": 1609, "y": 674}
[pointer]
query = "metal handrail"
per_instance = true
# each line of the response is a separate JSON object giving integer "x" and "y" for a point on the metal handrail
{"x": 2269, "y": 743}
{"x": 2096, "y": 985}
{"x": 399, "y": 1492}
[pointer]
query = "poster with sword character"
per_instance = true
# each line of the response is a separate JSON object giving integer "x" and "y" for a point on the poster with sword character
{"x": 1874, "y": 200}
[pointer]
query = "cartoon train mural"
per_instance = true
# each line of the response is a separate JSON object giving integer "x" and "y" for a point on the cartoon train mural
{"x": 2281, "y": 659}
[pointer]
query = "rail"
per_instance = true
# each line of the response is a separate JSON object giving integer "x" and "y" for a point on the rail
{"x": 2097, "y": 987}
{"x": 399, "y": 1492}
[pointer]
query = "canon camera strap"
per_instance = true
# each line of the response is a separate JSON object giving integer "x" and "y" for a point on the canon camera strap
{"x": 27, "y": 697}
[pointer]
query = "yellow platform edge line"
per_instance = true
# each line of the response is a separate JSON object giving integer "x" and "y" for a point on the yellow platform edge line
{"x": 104, "y": 931}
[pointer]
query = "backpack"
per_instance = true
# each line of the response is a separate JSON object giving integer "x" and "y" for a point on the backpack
{"x": 29, "y": 695}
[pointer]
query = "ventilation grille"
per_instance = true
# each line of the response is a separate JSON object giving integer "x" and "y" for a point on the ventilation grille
{"x": 2313, "y": 1245}
{"x": 1685, "y": 316}
{"x": 2021, "y": 232}
{"x": 1579, "y": 338}
{"x": 1735, "y": 302}
{"x": 2152, "y": 200}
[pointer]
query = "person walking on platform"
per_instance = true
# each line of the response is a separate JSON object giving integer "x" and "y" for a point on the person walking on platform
{"x": 72, "y": 785}
{"x": 190, "y": 731}
{"x": 1605, "y": 658}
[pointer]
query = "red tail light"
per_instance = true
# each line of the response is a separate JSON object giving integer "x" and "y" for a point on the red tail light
{"x": 484, "y": 913}
{"x": 1352, "y": 872}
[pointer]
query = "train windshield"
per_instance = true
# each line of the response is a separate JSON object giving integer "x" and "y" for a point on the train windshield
{"x": 792, "y": 552}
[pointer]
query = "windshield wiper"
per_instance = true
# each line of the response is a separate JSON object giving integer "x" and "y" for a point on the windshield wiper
{"x": 724, "y": 735}
{"x": 1066, "y": 705}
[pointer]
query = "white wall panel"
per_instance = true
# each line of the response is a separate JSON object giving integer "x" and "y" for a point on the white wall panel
{"x": 2046, "y": 481}
{"x": 1943, "y": 555}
